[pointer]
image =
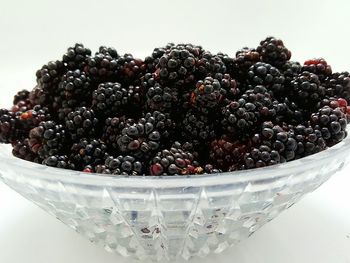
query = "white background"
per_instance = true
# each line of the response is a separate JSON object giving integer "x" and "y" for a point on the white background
{"x": 317, "y": 229}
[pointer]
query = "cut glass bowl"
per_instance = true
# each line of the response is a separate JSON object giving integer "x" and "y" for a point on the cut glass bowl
{"x": 160, "y": 218}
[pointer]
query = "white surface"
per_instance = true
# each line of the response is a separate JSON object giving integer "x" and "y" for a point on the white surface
{"x": 317, "y": 229}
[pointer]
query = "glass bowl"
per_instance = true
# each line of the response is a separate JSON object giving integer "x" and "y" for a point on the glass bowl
{"x": 163, "y": 218}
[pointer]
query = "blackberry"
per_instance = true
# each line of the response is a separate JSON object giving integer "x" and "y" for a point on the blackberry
{"x": 318, "y": 66}
{"x": 48, "y": 139}
{"x": 265, "y": 74}
{"x": 209, "y": 65}
{"x": 210, "y": 169}
{"x": 38, "y": 96}
{"x": 161, "y": 98}
{"x": 331, "y": 122}
{"x": 50, "y": 75}
{"x": 230, "y": 86}
{"x": 81, "y": 123}
{"x": 22, "y": 95}
{"x": 152, "y": 60}
{"x": 113, "y": 128}
{"x": 306, "y": 90}
{"x": 75, "y": 57}
{"x": 21, "y": 149}
{"x": 177, "y": 66}
{"x": 288, "y": 112}
{"x": 260, "y": 156}
{"x": 146, "y": 136}
{"x": 273, "y": 51}
{"x": 10, "y": 128}
{"x": 290, "y": 70}
{"x": 197, "y": 127}
{"x": 121, "y": 165}
{"x": 338, "y": 85}
{"x": 88, "y": 152}
{"x": 174, "y": 161}
{"x": 21, "y": 106}
{"x": 131, "y": 69}
{"x": 103, "y": 66}
{"x": 59, "y": 161}
{"x": 225, "y": 153}
{"x": 245, "y": 58}
{"x": 32, "y": 118}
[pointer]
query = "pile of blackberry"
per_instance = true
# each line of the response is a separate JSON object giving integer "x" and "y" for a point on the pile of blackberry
{"x": 182, "y": 110}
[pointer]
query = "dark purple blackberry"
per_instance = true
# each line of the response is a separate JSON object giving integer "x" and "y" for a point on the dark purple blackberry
{"x": 103, "y": 66}
{"x": 288, "y": 112}
{"x": 113, "y": 129}
{"x": 290, "y": 70}
{"x": 21, "y": 149}
{"x": 331, "y": 122}
{"x": 32, "y": 118}
{"x": 59, "y": 161}
{"x": 22, "y": 95}
{"x": 37, "y": 96}
{"x": 265, "y": 74}
{"x": 81, "y": 123}
{"x": 241, "y": 117}
{"x": 50, "y": 75}
{"x": 131, "y": 69}
{"x": 338, "y": 85}
{"x": 209, "y": 65}
{"x": 273, "y": 51}
{"x": 10, "y": 127}
{"x": 260, "y": 156}
{"x": 306, "y": 90}
{"x": 174, "y": 161}
{"x": 121, "y": 165}
{"x": 245, "y": 58}
{"x": 225, "y": 153}
{"x": 74, "y": 90}
{"x": 146, "y": 136}
{"x": 161, "y": 98}
{"x": 197, "y": 127}
{"x": 88, "y": 152}
{"x": 319, "y": 67}
{"x": 210, "y": 169}
{"x": 75, "y": 57}
{"x": 48, "y": 139}
{"x": 177, "y": 66}
{"x": 230, "y": 86}
{"x": 152, "y": 60}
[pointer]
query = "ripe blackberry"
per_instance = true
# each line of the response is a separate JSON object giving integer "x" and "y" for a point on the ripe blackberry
{"x": 59, "y": 161}
{"x": 38, "y": 96}
{"x": 288, "y": 112}
{"x": 306, "y": 90}
{"x": 318, "y": 66}
{"x": 273, "y": 51}
{"x": 260, "y": 156}
{"x": 265, "y": 74}
{"x": 290, "y": 70}
{"x": 145, "y": 136}
{"x": 113, "y": 128}
{"x": 50, "y": 75}
{"x": 74, "y": 90}
{"x": 81, "y": 123}
{"x": 22, "y": 106}
{"x": 230, "y": 86}
{"x": 75, "y": 57}
{"x": 331, "y": 122}
{"x": 152, "y": 60}
{"x": 103, "y": 66}
{"x": 161, "y": 98}
{"x": 22, "y": 95}
{"x": 121, "y": 165}
{"x": 10, "y": 127}
{"x": 174, "y": 161}
{"x": 245, "y": 58}
{"x": 209, "y": 65}
{"x": 197, "y": 127}
{"x": 210, "y": 169}
{"x": 177, "y": 66}
{"x": 48, "y": 139}
{"x": 32, "y": 118}
{"x": 131, "y": 69}
{"x": 21, "y": 149}
{"x": 338, "y": 85}
{"x": 225, "y": 153}
{"x": 88, "y": 152}
{"x": 241, "y": 117}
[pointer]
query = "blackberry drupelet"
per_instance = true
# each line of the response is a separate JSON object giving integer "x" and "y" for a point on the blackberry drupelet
{"x": 338, "y": 85}
{"x": 88, "y": 152}
{"x": 265, "y": 74}
{"x": 318, "y": 66}
{"x": 331, "y": 122}
{"x": 306, "y": 90}
{"x": 174, "y": 161}
{"x": 81, "y": 123}
{"x": 121, "y": 165}
{"x": 76, "y": 57}
{"x": 273, "y": 51}
{"x": 48, "y": 139}
{"x": 146, "y": 136}
{"x": 103, "y": 66}
{"x": 59, "y": 161}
